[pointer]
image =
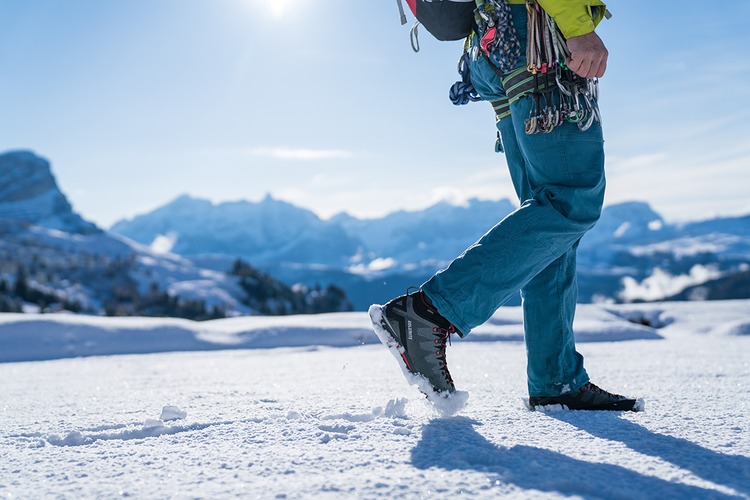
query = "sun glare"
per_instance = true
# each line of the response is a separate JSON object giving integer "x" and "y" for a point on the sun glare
{"x": 277, "y": 9}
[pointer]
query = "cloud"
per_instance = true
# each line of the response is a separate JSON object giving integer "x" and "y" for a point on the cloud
{"x": 301, "y": 154}
{"x": 661, "y": 284}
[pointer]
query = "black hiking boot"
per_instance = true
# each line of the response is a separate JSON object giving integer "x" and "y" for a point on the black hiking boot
{"x": 416, "y": 334}
{"x": 588, "y": 397}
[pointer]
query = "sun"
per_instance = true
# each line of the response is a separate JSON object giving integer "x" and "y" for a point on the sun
{"x": 277, "y": 9}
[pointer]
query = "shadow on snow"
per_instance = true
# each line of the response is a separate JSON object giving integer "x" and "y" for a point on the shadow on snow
{"x": 732, "y": 471}
{"x": 454, "y": 444}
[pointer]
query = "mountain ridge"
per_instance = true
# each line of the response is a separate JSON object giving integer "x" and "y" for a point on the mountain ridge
{"x": 630, "y": 254}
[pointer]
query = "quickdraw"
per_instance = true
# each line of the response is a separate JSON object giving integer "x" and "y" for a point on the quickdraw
{"x": 568, "y": 97}
{"x": 557, "y": 94}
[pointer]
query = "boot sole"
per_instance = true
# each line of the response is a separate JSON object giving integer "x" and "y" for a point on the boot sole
{"x": 639, "y": 405}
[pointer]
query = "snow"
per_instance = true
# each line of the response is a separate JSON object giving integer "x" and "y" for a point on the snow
{"x": 309, "y": 406}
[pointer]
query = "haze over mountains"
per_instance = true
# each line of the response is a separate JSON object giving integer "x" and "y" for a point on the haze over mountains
{"x": 186, "y": 248}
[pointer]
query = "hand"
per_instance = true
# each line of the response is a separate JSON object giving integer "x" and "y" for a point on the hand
{"x": 588, "y": 55}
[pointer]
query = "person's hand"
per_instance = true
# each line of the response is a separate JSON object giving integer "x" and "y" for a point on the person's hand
{"x": 588, "y": 55}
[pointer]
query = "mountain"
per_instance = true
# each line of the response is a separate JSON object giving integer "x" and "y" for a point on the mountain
{"x": 437, "y": 233}
{"x": 29, "y": 195}
{"x": 624, "y": 222}
{"x": 195, "y": 258}
{"x": 632, "y": 254}
{"x": 52, "y": 259}
{"x": 270, "y": 231}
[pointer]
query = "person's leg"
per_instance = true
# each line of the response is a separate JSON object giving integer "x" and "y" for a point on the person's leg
{"x": 565, "y": 172}
{"x": 549, "y": 301}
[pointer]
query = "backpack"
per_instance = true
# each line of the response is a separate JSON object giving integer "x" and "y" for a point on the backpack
{"x": 444, "y": 19}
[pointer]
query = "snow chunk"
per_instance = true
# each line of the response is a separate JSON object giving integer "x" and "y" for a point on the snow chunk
{"x": 396, "y": 408}
{"x": 152, "y": 423}
{"x": 172, "y": 413}
{"x": 448, "y": 405}
{"x": 74, "y": 438}
{"x": 735, "y": 328}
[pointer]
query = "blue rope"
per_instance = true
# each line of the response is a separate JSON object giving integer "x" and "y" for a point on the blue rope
{"x": 463, "y": 92}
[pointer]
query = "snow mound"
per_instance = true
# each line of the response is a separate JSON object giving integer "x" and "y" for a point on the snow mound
{"x": 737, "y": 328}
{"x": 38, "y": 337}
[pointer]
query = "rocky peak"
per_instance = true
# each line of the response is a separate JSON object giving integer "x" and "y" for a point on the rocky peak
{"x": 29, "y": 195}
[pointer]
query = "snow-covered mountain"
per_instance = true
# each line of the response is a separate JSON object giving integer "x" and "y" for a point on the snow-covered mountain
{"x": 438, "y": 233}
{"x": 632, "y": 254}
{"x": 186, "y": 248}
{"x": 52, "y": 259}
{"x": 266, "y": 232}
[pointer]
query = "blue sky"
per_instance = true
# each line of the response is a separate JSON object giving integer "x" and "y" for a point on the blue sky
{"x": 322, "y": 103}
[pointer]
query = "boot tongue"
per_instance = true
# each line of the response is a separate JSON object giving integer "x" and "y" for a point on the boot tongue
{"x": 423, "y": 305}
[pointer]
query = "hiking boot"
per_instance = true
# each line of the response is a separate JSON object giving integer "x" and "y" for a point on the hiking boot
{"x": 588, "y": 397}
{"x": 417, "y": 335}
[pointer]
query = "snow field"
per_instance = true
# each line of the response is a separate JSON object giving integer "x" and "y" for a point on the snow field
{"x": 340, "y": 422}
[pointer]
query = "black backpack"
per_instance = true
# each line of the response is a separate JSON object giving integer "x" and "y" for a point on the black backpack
{"x": 444, "y": 19}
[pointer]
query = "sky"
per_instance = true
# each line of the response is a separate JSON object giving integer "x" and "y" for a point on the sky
{"x": 322, "y": 103}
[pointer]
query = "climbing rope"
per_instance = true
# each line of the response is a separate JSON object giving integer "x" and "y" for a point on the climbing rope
{"x": 463, "y": 92}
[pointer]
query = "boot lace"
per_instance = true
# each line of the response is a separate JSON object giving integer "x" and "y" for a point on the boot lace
{"x": 442, "y": 339}
{"x": 596, "y": 389}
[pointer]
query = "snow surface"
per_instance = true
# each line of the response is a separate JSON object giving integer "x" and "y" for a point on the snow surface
{"x": 306, "y": 419}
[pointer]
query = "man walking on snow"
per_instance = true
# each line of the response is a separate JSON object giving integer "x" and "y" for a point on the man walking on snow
{"x": 559, "y": 178}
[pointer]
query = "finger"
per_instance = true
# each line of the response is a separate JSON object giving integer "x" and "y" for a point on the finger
{"x": 574, "y": 65}
{"x": 602, "y": 68}
{"x": 601, "y": 65}
{"x": 584, "y": 68}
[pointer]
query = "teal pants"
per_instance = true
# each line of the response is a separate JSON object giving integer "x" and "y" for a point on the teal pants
{"x": 559, "y": 179}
